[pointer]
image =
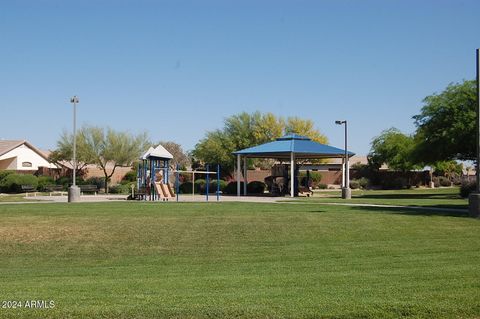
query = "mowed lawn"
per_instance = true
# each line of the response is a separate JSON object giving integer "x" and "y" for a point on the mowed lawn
{"x": 448, "y": 197}
{"x": 237, "y": 260}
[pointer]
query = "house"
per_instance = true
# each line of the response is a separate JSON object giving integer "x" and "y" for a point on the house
{"x": 20, "y": 155}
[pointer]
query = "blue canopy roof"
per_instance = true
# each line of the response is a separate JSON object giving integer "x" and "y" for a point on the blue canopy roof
{"x": 302, "y": 146}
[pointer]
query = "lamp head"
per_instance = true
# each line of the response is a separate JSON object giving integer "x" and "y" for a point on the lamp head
{"x": 74, "y": 99}
{"x": 340, "y": 122}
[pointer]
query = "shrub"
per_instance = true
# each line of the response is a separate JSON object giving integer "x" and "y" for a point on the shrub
{"x": 354, "y": 184}
{"x": 445, "y": 182}
{"x": 256, "y": 187}
{"x": 397, "y": 183}
{"x": 97, "y": 181}
{"x": 232, "y": 188}
{"x": 315, "y": 178}
{"x": 4, "y": 174}
{"x": 120, "y": 188}
{"x": 200, "y": 185}
{"x": 213, "y": 186}
{"x": 436, "y": 181}
{"x": 322, "y": 186}
{"x": 131, "y": 176}
{"x": 364, "y": 182}
{"x": 44, "y": 181}
{"x": 185, "y": 188}
{"x": 12, "y": 183}
{"x": 467, "y": 188}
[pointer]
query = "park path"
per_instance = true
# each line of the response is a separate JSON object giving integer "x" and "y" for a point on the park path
{"x": 247, "y": 199}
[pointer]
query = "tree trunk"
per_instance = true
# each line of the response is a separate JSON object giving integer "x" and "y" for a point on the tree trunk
{"x": 106, "y": 182}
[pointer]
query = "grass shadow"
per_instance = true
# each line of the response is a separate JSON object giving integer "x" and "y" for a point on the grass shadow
{"x": 410, "y": 196}
{"x": 438, "y": 210}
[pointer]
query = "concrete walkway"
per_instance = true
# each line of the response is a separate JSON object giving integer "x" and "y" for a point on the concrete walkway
{"x": 182, "y": 198}
{"x": 213, "y": 199}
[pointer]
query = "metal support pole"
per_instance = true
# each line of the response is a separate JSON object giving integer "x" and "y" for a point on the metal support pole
{"x": 74, "y": 141}
{"x": 218, "y": 182}
{"x": 245, "y": 160}
{"x": 347, "y": 166}
{"x": 343, "y": 172}
{"x": 177, "y": 182}
{"x": 193, "y": 185}
{"x": 239, "y": 165}
{"x": 292, "y": 175}
{"x": 478, "y": 123}
{"x": 474, "y": 198}
{"x": 74, "y": 191}
{"x": 207, "y": 182}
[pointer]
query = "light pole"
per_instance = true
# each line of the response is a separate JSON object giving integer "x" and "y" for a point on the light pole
{"x": 74, "y": 190}
{"x": 346, "y": 191}
{"x": 474, "y": 198}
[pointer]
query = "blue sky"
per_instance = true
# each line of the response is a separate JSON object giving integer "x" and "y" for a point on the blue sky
{"x": 176, "y": 69}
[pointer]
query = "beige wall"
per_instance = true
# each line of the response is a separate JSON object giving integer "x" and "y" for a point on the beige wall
{"x": 23, "y": 153}
{"x": 8, "y": 164}
{"x": 93, "y": 171}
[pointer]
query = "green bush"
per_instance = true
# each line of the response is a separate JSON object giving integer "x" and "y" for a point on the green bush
{"x": 4, "y": 174}
{"x": 12, "y": 183}
{"x": 364, "y": 182}
{"x": 445, "y": 182}
{"x": 315, "y": 178}
{"x": 436, "y": 182}
{"x": 397, "y": 183}
{"x": 186, "y": 188}
{"x": 322, "y": 186}
{"x": 120, "y": 188}
{"x": 213, "y": 186}
{"x": 44, "y": 181}
{"x": 354, "y": 184}
{"x": 200, "y": 185}
{"x": 467, "y": 188}
{"x": 231, "y": 188}
{"x": 256, "y": 187}
{"x": 131, "y": 176}
{"x": 97, "y": 181}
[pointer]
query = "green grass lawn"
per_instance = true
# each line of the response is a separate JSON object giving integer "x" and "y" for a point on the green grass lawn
{"x": 242, "y": 260}
{"x": 12, "y": 198}
{"x": 440, "y": 197}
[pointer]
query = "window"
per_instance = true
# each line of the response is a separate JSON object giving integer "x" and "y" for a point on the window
{"x": 26, "y": 164}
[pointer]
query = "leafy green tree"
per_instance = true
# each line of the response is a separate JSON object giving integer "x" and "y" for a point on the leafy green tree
{"x": 246, "y": 130}
{"x": 106, "y": 148}
{"x": 180, "y": 157}
{"x": 64, "y": 153}
{"x": 393, "y": 148}
{"x": 449, "y": 169}
{"x": 304, "y": 127}
{"x": 446, "y": 125}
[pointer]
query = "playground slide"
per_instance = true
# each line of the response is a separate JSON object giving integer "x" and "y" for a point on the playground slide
{"x": 164, "y": 191}
{"x": 159, "y": 190}
{"x": 170, "y": 191}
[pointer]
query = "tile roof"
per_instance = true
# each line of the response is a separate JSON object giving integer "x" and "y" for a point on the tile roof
{"x": 8, "y": 145}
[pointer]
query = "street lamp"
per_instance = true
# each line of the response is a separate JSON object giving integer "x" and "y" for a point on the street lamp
{"x": 74, "y": 190}
{"x": 346, "y": 191}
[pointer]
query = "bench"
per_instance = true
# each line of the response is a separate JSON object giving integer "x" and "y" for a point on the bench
{"x": 29, "y": 188}
{"x": 52, "y": 189}
{"x": 88, "y": 189}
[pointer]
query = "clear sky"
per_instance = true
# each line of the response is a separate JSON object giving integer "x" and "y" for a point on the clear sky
{"x": 176, "y": 69}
